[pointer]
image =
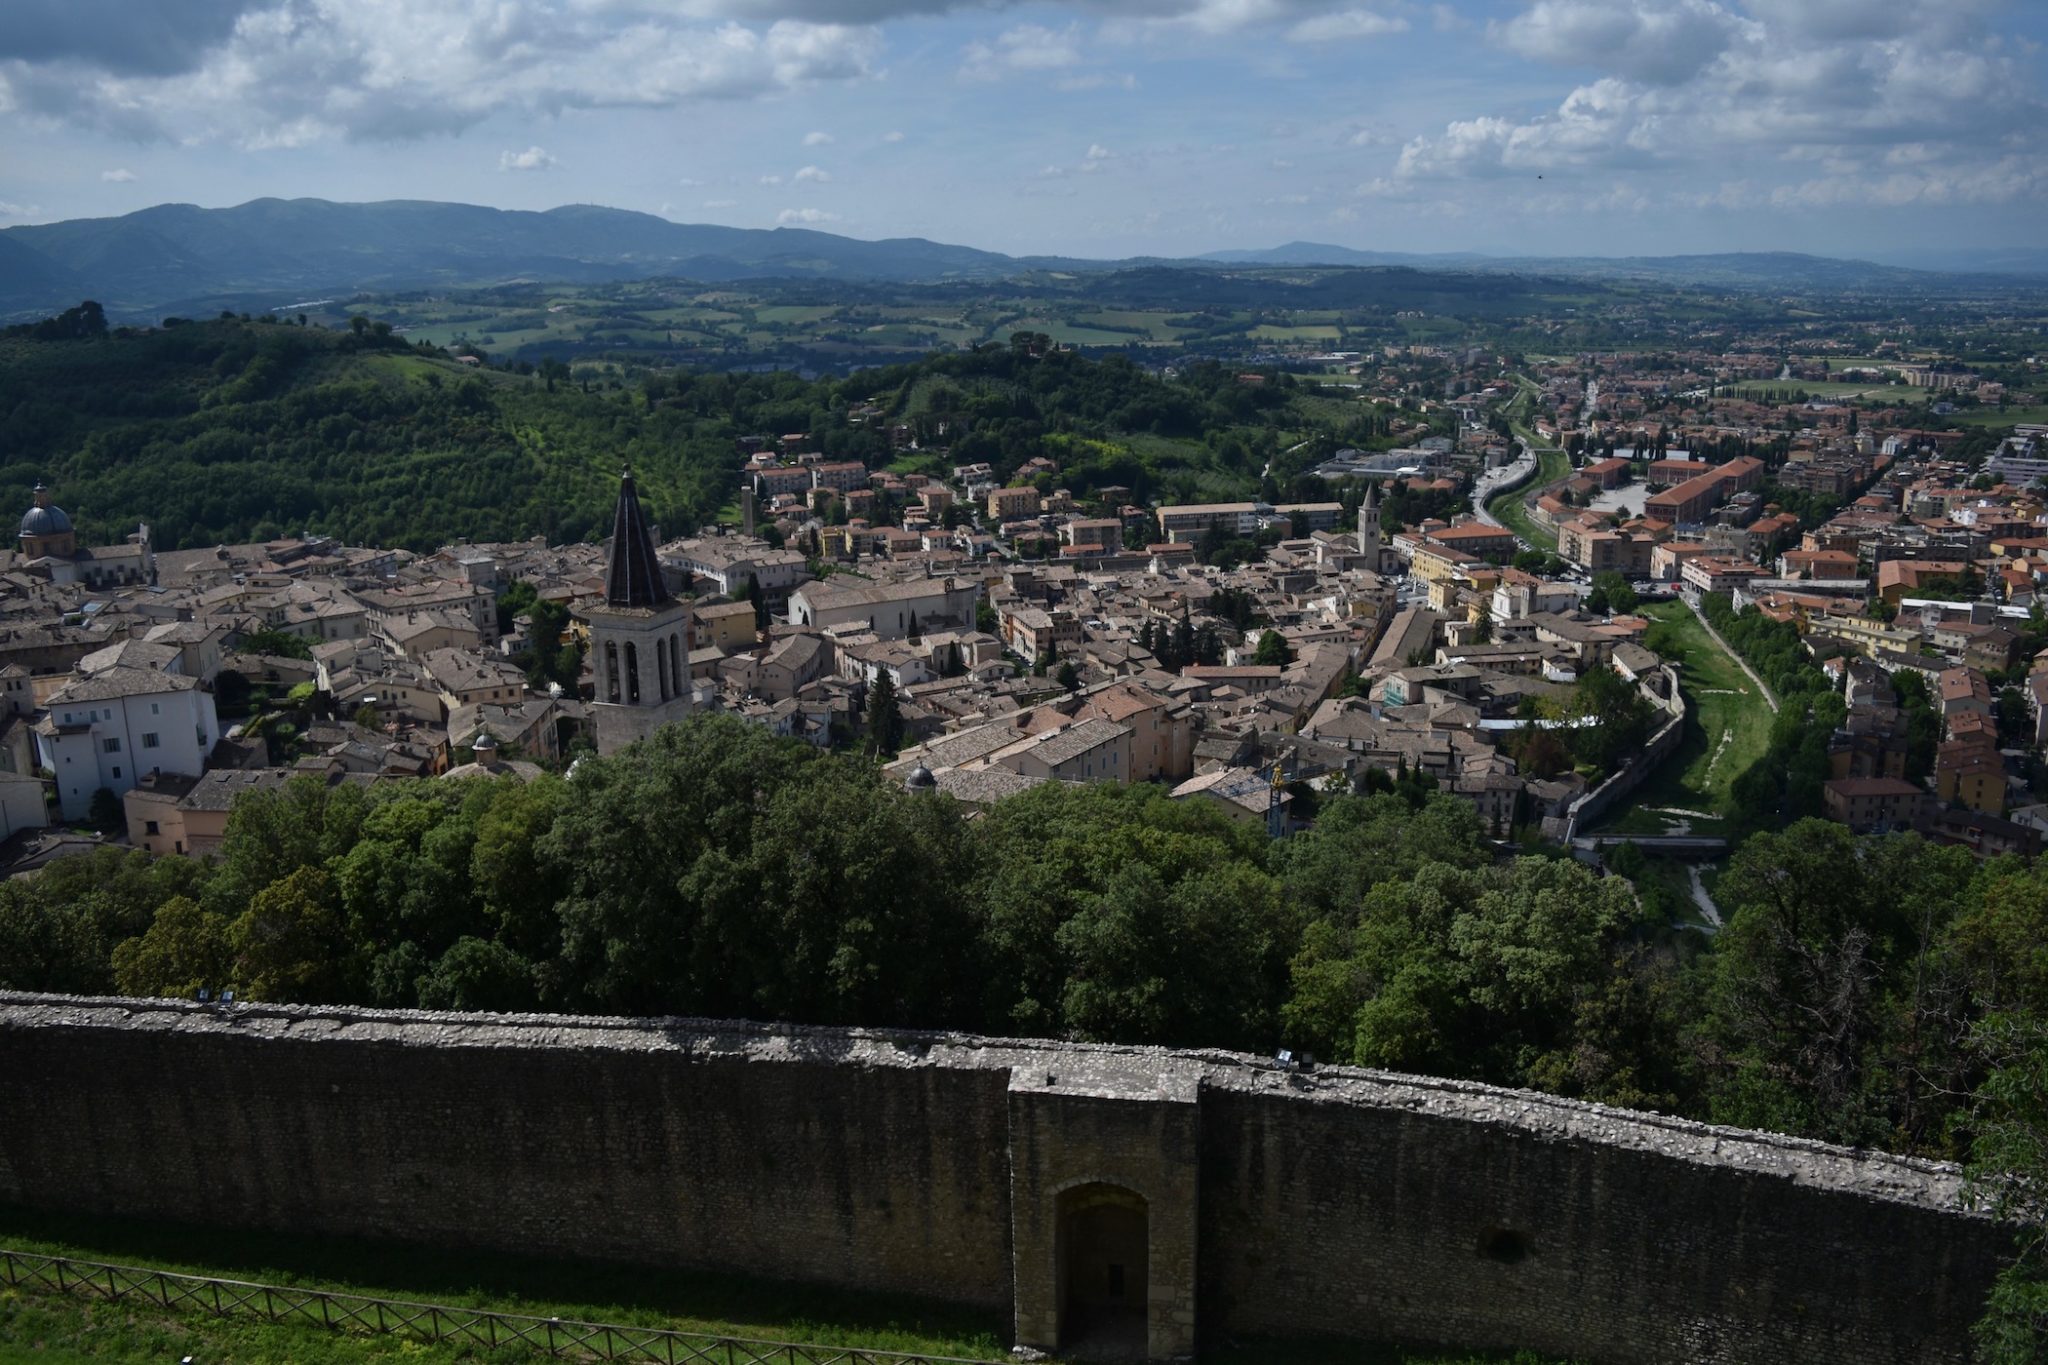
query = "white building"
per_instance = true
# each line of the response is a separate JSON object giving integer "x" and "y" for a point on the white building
{"x": 888, "y": 609}
{"x": 108, "y": 729}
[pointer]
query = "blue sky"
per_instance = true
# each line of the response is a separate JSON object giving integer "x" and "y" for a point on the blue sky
{"x": 1092, "y": 127}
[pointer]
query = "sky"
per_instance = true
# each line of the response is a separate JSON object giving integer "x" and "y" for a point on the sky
{"x": 1099, "y": 128}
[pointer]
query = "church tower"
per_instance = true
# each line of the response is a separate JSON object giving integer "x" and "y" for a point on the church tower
{"x": 639, "y": 636}
{"x": 1369, "y": 527}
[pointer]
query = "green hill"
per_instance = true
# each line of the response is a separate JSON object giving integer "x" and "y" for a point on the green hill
{"x": 231, "y": 430}
{"x": 224, "y": 431}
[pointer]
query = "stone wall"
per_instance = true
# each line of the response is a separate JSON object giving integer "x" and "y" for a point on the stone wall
{"x": 1337, "y": 1202}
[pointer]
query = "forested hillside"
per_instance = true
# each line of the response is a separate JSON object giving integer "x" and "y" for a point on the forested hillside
{"x": 232, "y": 430}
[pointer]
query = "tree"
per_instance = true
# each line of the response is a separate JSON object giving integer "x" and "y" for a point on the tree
{"x": 1821, "y": 927}
{"x": 185, "y": 949}
{"x": 1614, "y": 593}
{"x": 884, "y": 721}
{"x": 290, "y": 944}
{"x": 759, "y": 600}
{"x": 1464, "y": 971}
{"x": 1069, "y": 677}
{"x": 106, "y": 812}
{"x": 1273, "y": 650}
{"x": 479, "y": 974}
{"x": 2008, "y": 1172}
{"x": 276, "y": 642}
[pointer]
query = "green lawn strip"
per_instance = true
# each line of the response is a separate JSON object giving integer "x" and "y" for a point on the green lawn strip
{"x": 1512, "y": 511}
{"x": 52, "y": 1328}
{"x": 62, "y": 1329}
{"x": 712, "y": 1303}
{"x": 1725, "y": 716}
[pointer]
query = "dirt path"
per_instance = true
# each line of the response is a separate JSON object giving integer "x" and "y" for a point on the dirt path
{"x": 1715, "y": 636}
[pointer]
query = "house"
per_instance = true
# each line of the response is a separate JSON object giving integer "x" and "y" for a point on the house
{"x": 1012, "y": 504}
{"x": 887, "y": 609}
{"x": 1162, "y": 732}
{"x": 1095, "y": 750}
{"x": 109, "y": 728}
{"x": 727, "y": 627}
{"x": 1866, "y": 804}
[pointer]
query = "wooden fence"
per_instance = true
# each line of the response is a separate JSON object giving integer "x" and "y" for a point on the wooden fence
{"x": 473, "y": 1327}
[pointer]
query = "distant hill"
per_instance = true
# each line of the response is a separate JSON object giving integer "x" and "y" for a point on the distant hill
{"x": 159, "y": 259}
{"x": 1766, "y": 270}
{"x": 158, "y": 256}
{"x": 1994, "y": 261}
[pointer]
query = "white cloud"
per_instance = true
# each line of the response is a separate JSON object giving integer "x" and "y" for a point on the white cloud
{"x": 771, "y": 180}
{"x": 1027, "y": 47}
{"x": 811, "y": 174}
{"x": 289, "y": 72}
{"x": 818, "y": 139}
{"x": 808, "y": 217}
{"x": 689, "y": 181}
{"x": 1097, "y": 80}
{"x": 1692, "y": 83}
{"x": 8, "y": 210}
{"x": 1659, "y": 42}
{"x": 121, "y": 176}
{"x": 1346, "y": 24}
{"x": 532, "y": 159}
{"x": 892, "y": 137}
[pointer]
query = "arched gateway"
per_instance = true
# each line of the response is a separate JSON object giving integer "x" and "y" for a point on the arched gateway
{"x": 1102, "y": 1251}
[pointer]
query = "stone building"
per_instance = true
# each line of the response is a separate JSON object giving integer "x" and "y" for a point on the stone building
{"x": 639, "y": 636}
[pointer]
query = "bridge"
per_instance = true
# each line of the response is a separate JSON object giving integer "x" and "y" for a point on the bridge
{"x": 1692, "y": 847}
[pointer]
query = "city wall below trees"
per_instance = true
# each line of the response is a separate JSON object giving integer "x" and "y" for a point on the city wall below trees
{"x": 1001, "y": 1173}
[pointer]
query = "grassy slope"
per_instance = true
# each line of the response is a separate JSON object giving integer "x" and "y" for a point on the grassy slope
{"x": 1728, "y": 729}
{"x": 53, "y": 1329}
{"x": 1513, "y": 511}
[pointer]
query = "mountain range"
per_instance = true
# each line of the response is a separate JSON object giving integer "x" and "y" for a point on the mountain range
{"x": 159, "y": 258}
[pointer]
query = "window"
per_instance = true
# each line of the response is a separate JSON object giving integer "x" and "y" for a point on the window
{"x": 117, "y": 772}
{"x": 149, "y": 827}
{"x": 149, "y": 740}
{"x": 111, "y": 746}
{"x": 154, "y": 709}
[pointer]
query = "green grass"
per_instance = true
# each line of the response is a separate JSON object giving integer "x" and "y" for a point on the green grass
{"x": 56, "y": 1329}
{"x": 1834, "y": 388}
{"x": 690, "y": 1301}
{"x": 1728, "y": 728}
{"x": 1992, "y": 417}
{"x": 1272, "y": 332}
{"x": 1513, "y": 511}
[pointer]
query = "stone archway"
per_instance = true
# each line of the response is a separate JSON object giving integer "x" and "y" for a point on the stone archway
{"x": 1103, "y": 1263}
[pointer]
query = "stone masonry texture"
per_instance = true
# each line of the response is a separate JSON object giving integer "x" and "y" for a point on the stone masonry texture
{"x": 1339, "y": 1202}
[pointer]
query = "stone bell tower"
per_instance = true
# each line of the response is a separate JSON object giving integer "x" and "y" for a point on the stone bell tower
{"x": 1369, "y": 527}
{"x": 639, "y": 636}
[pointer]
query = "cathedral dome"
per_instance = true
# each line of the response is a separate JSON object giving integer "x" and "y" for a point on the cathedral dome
{"x": 43, "y": 519}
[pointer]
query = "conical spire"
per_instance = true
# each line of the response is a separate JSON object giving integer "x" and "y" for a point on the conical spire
{"x": 634, "y": 577}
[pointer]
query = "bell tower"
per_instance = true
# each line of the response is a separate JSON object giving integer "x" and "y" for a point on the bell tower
{"x": 1369, "y": 527}
{"x": 639, "y": 636}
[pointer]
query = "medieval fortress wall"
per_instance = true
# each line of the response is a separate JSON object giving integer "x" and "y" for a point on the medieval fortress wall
{"x": 1338, "y": 1202}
